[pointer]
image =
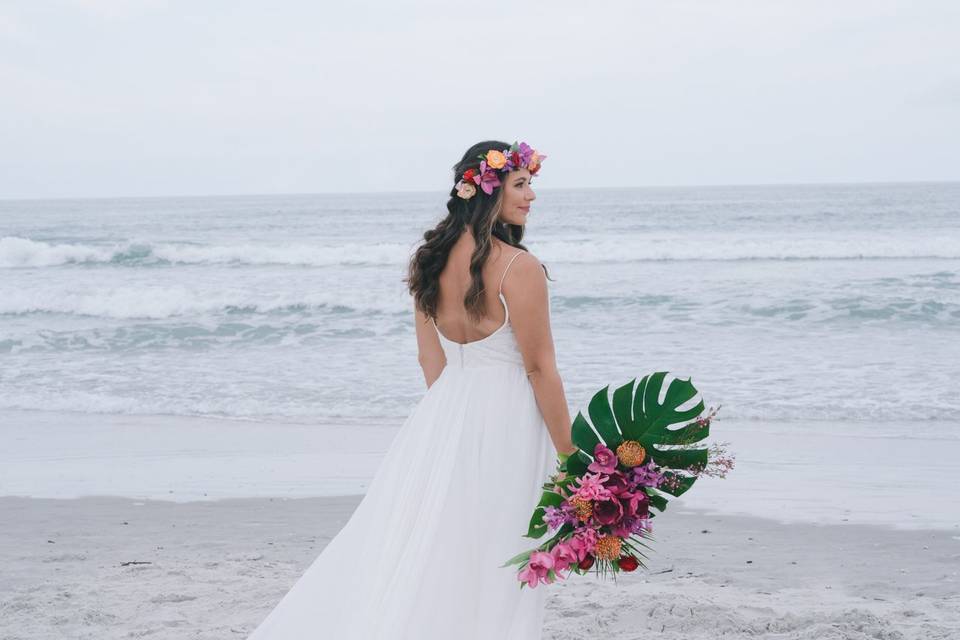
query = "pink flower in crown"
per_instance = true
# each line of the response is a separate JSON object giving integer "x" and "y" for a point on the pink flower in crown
{"x": 537, "y": 569}
{"x": 478, "y": 175}
{"x": 487, "y": 178}
{"x": 591, "y": 487}
{"x": 604, "y": 460}
{"x": 534, "y": 164}
{"x": 563, "y": 556}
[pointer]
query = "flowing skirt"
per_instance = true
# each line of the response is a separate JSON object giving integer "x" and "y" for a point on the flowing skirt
{"x": 420, "y": 557}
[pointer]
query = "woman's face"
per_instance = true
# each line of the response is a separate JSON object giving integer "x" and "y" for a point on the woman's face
{"x": 517, "y": 196}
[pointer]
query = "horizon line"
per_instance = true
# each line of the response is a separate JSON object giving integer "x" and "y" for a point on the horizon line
{"x": 424, "y": 191}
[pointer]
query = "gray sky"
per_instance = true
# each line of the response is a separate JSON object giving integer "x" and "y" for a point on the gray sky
{"x": 119, "y": 97}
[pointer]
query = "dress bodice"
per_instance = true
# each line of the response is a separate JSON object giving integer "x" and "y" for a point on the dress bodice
{"x": 498, "y": 348}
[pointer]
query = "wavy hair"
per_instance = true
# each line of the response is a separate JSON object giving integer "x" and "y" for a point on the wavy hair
{"x": 480, "y": 214}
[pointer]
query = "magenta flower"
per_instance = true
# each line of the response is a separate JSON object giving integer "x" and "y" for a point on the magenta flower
{"x": 537, "y": 569}
{"x": 591, "y": 487}
{"x": 636, "y": 503}
{"x": 623, "y": 528}
{"x": 563, "y": 556}
{"x": 604, "y": 460}
{"x": 487, "y": 178}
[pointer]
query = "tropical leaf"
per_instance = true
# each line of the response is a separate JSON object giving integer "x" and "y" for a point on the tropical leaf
{"x": 537, "y": 526}
{"x": 635, "y": 412}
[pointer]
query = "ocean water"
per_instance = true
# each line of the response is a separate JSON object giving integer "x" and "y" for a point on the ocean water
{"x": 786, "y": 304}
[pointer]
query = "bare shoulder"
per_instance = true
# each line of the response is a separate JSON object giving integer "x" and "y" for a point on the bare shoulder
{"x": 526, "y": 275}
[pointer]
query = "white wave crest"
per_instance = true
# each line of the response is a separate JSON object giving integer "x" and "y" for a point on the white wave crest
{"x": 156, "y": 303}
{"x": 22, "y": 252}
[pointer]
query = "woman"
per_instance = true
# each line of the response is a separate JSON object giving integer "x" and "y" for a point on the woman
{"x": 421, "y": 556}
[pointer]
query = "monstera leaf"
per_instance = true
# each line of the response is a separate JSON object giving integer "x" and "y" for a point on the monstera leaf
{"x": 636, "y": 413}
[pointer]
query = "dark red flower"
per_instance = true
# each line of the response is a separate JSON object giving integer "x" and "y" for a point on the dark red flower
{"x": 607, "y": 511}
{"x": 628, "y": 563}
{"x": 586, "y": 563}
{"x": 468, "y": 174}
{"x": 616, "y": 483}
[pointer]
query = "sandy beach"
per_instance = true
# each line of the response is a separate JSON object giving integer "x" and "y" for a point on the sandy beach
{"x": 164, "y": 527}
{"x": 108, "y": 567}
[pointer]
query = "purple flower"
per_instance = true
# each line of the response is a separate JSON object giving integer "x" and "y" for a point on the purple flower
{"x": 525, "y": 151}
{"x": 556, "y": 517}
{"x": 646, "y": 475}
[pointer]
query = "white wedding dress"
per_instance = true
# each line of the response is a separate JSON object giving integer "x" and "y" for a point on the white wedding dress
{"x": 420, "y": 557}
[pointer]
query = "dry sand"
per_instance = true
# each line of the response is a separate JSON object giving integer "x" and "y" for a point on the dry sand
{"x": 104, "y": 567}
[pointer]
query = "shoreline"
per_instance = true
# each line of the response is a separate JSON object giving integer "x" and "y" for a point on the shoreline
{"x": 803, "y": 472}
{"x": 214, "y": 568}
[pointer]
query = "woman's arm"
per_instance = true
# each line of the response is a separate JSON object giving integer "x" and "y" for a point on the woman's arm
{"x": 527, "y": 297}
{"x": 429, "y": 351}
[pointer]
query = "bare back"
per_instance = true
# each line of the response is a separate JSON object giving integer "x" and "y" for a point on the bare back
{"x": 452, "y": 319}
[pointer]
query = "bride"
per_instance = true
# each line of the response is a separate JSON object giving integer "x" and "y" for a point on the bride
{"x": 421, "y": 556}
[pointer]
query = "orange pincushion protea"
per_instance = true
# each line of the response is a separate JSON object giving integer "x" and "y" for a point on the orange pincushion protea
{"x": 608, "y": 548}
{"x": 631, "y": 453}
{"x": 583, "y": 508}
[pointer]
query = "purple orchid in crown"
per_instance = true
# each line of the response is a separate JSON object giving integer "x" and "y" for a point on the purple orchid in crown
{"x": 487, "y": 179}
{"x": 519, "y": 156}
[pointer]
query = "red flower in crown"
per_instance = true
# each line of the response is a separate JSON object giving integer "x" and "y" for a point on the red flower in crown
{"x": 468, "y": 175}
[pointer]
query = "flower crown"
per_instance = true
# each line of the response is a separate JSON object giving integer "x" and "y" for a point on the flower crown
{"x": 518, "y": 156}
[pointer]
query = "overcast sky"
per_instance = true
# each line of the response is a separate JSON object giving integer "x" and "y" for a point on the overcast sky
{"x": 120, "y": 97}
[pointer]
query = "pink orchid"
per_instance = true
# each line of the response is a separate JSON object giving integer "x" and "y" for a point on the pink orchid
{"x": 591, "y": 487}
{"x": 487, "y": 178}
{"x": 537, "y": 569}
{"x": 583, "y": 541}
{"x": 563, "y": 556}
{"x": 604, "y": 460}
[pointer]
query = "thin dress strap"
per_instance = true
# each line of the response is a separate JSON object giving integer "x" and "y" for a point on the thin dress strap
{"x": 500, "y": 288}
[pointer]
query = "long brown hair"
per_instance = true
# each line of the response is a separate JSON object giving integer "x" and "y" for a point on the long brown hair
{"x": 479, "y": 214}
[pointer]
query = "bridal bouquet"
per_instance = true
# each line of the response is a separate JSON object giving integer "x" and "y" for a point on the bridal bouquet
{"x": 638, "y": 450}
